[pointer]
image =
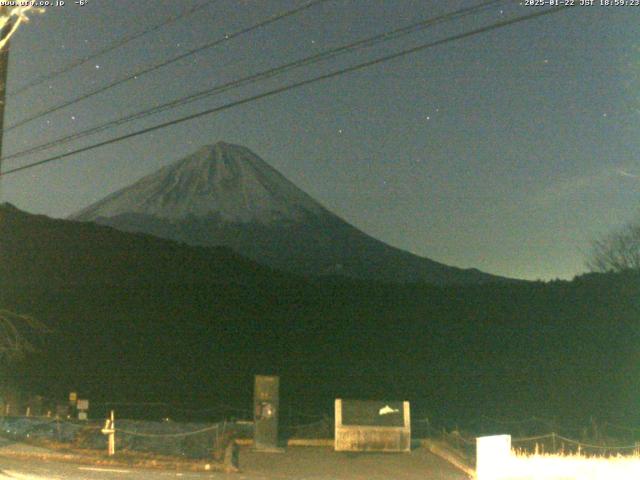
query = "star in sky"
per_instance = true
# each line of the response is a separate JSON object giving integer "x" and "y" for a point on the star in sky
{"x": 388, "y": 104}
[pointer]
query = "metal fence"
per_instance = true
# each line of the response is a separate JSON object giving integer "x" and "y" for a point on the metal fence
{"x": 188, "y": 440}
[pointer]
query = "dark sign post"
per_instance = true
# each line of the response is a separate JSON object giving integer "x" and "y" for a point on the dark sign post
{"x": 266, "y": 405}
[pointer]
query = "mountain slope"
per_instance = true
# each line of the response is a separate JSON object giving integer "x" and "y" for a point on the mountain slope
{"x": 226, "y": 195}
{"x": 37, "y": 250}
{"x": 139, "y": 319}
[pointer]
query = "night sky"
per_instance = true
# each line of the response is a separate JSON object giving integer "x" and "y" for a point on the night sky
{"x": 507, "y": 151}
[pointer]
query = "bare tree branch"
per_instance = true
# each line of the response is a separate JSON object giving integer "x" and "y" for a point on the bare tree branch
{"x": 616, "y": 252}
{"x": 14, "y": 332}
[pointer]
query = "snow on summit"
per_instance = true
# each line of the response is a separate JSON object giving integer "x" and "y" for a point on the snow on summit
{"x": 225, "y": 195}
{"x": 222, "y": 180}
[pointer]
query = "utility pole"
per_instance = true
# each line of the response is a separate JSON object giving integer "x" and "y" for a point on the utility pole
{"x": 4, "y": 64}
{"x": 4, "y": 67}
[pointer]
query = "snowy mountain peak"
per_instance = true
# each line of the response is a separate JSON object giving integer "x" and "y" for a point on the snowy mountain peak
{"x": 221, "y": 180}
{"x": 225, "y": 195}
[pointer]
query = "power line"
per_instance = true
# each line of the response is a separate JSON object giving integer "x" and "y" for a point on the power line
{"x": 302, "y": 83}
{"x": 172, "y": 60}
{"x": 110, "y": 47}
{"x": 325, "y": 55}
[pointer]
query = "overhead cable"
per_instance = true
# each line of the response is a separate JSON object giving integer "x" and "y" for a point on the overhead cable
{"x": 108, "y": 48}
{"x": 152, "y": 68}
{"x": 292, "y": 86}
{"x": 263, "y": 75}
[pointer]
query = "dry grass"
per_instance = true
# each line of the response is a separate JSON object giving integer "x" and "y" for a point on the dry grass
{"x": 123, "y": 458}
{"x": 523, "y": 466}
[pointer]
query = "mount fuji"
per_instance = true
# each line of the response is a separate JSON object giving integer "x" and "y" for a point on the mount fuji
{"x": 225, "y": 195}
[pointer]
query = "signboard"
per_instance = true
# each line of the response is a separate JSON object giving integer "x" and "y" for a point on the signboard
{"x": 82, "y": 405}
{"x": 371, "y": 425}
{"x": 73, "y": 397}
{"x": 266, "y": 405}
{"x": 62, "y": 411}
{"x": 372, "y": 413}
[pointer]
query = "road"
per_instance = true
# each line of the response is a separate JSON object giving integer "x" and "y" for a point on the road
{"x": 35, "y": 469}
{"x": 297, "y": 463}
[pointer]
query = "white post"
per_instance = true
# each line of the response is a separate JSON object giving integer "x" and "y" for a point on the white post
{"x": 492, "y": 457}
{"x": 110, "y": 430}
{"x": 112, "y": 435}
{"x": 338, "y": 423}
{"x": 407, "y": 414}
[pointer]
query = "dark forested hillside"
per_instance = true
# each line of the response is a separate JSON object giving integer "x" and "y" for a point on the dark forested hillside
{"x": 138, "y": 318}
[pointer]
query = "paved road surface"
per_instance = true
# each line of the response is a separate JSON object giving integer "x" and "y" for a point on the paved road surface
{"x": 18, "y": 469}
{"x": 295, "y": 464}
